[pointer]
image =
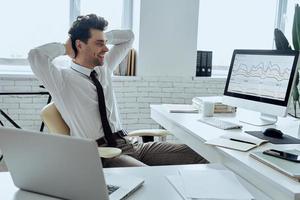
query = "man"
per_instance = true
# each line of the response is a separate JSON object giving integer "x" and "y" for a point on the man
{"x": 84, "y": 96}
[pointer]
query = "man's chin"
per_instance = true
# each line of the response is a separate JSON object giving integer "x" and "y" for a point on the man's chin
{"x": 99, "y": 63}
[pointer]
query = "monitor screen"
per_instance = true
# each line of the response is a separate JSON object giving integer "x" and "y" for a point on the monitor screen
{"x": 262, "y": 75}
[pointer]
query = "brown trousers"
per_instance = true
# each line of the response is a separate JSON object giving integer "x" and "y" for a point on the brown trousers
{"x": 136, "y": 154}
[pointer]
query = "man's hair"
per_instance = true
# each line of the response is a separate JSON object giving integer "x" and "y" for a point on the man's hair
{"x": 80, "y": 29}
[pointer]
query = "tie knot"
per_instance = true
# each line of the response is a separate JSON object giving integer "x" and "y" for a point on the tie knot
{"x": 93, "y": 74}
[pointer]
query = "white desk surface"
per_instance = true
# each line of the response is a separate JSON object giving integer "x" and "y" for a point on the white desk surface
{"x": 188, "y": 130}
{"x": 155, "y": 186}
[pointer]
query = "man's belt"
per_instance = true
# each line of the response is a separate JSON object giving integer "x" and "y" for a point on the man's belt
{"x": 116, "y": 135}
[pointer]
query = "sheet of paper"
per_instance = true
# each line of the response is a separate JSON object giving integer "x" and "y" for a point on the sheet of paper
{"x": 180, "y": 108}
{"x": 176, "y": 182}
{"x": 213, "y": 184}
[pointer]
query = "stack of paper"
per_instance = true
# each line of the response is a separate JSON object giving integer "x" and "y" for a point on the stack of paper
{"x": 208, "y": 184}
{"x": 217, "y": 100}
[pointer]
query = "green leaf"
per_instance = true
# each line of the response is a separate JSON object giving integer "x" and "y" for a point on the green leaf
{"x": 296, "y": 28}
{"x": 296, "y": 43}
{"x": 295, "y": 94}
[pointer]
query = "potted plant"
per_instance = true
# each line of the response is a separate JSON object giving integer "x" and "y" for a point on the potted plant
{"x": 283, "y": 44}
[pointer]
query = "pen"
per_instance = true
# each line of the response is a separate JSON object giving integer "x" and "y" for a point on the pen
{"x": 242, "y": 141}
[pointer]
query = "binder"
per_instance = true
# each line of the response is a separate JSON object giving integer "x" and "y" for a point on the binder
{"x": 204, "y": 63}
{"x": 208, "y": 63}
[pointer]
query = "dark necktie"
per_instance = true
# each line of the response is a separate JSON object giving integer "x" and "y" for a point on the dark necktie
{"x": 101, "y": 102}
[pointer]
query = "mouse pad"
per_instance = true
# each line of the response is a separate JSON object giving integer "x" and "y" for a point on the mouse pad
{"x": 285, "y": 140}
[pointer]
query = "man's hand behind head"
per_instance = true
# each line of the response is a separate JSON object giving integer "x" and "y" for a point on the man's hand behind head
{"x": 69, "y": 49}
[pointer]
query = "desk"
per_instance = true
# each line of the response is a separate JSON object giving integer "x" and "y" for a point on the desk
{"x": 155, "y": 187}
{"x": 188, "y": 130}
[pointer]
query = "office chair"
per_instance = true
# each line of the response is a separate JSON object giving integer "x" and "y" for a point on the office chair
{"x": 56, "y": 124}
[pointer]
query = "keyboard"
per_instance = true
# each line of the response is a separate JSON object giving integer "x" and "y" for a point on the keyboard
{"x": 221, "y": 124}
{"x": 112, "y": 188}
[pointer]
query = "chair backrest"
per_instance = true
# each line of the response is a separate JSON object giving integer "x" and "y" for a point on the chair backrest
{"x": 56, "y": 124}
{"x": 53, "y": 120}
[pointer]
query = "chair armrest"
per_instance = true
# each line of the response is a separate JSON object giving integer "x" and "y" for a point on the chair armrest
{"x": 109, "y": 152}
{"x": 149, "y": 132}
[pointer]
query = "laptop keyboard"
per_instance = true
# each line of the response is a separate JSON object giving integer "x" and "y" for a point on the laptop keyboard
{"x": 112, "y": 188}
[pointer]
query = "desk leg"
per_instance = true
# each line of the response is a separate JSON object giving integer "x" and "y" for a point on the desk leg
{"x": 9, "y": 119}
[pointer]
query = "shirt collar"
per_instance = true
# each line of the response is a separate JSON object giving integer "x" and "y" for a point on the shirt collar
{"x": 81, "y": 69}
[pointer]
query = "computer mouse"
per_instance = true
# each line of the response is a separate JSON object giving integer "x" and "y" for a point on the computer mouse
{"x": 274, "y": 133}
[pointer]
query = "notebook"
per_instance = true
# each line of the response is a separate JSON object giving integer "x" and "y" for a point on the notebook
{"x": 236, "y": 141}
{"x": 60, "y": 166}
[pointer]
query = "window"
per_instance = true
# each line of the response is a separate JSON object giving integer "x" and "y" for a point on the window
{"x": 289, "y": 19}
{"x": 111, "y": 10}
{"x": 26, "y": 24}
{"x": 232, "y": 24}
{"x": 34, "y": 22}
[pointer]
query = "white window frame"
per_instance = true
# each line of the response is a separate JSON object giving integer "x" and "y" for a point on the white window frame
{"x": 281, "y": 14}
{"x": 280, "y": 21}
{"x": 127, "y": 19}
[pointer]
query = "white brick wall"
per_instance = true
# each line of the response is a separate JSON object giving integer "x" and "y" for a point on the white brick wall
{"x": 134, "y": 96}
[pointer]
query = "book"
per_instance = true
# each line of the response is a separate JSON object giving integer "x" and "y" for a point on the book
{"x": 289, "y": 168}
{"x": 132, "y": 64}
{"x": 180, "y": 108}
{"x": 237, "y": 141}
{"x": 128, "y": 64}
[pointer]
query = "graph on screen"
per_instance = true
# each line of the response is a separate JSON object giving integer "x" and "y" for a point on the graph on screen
{"x": 261, "y": 75}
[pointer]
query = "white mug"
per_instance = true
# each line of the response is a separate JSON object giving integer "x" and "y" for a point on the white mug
{"x": 208, "y": 109}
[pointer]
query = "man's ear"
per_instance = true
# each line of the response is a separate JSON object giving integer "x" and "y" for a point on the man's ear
{"x": 78, "y": 44}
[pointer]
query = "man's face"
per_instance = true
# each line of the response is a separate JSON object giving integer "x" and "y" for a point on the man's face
{"x": 94, "y": 50}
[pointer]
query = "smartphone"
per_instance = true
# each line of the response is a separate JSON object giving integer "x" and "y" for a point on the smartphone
{"x": 283, "y": 155}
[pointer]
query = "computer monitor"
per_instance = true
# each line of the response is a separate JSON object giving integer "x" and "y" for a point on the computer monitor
{"x": 261, "y": 80}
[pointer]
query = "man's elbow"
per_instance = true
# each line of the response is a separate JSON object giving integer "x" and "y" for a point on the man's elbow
{"x": 130, "y": 35}
{"x": 34, "y": 59}
{"x": 32, "y": 55}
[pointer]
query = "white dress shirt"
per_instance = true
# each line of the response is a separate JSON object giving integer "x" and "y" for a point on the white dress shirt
{"x": 73, "y": 92}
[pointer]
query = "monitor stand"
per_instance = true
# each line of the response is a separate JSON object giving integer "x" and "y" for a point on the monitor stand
{"x": 263, "y": 120}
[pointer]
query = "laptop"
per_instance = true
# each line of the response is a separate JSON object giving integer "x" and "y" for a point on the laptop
{"x": 60, "y": 166}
